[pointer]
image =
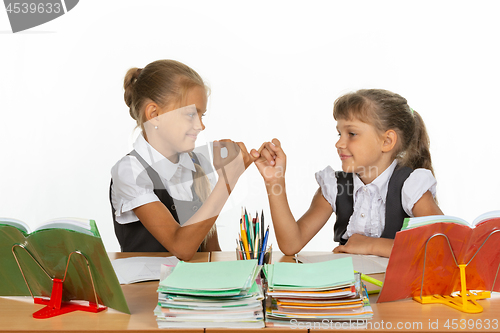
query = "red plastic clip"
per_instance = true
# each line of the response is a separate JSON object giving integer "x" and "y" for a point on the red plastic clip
{"x": 55, "y": 306}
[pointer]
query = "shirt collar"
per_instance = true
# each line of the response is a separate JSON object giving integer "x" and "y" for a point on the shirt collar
{"x": 158, "y": 162}
{"x": 380, "y": 184}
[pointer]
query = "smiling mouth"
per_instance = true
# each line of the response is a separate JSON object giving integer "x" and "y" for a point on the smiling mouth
{"x": 344, "y": 157}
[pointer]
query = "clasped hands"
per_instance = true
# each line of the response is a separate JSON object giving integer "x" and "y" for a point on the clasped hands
{"x": 231, "y": 159}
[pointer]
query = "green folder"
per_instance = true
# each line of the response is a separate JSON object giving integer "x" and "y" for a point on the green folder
{"x": 51, "y": 248}
{"x": 223, "y": 278}
{"x": 327, "y": 274}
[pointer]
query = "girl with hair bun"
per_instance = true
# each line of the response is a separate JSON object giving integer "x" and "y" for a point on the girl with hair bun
{"x": 387, "y": 176}
{"x": 165, "y": 197}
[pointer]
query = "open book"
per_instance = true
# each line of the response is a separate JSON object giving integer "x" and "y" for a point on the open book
{"x": 425, "y": 220}
{"x": 70, "y": 223}
{"x": 421, "y": 244}
{"x": 51, "y": 244}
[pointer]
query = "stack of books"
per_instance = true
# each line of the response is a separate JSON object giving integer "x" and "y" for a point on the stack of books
{"x": 221, "y": 294}
{"x": 323, "y": 293}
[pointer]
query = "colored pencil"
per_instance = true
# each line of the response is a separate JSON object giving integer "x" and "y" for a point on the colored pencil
{"x": 262, "y": 224}
{"x": 245, "y": 244}
{"x": 257, "y": 233}
{"x": 264, "y": 245}
{"x": 249, "y": 232}
{"x": 238, "y": 247}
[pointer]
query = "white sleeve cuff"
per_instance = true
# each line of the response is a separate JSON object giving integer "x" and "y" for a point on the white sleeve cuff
{"x": 328, "y": 184}
{"x": 419, "y": 182}
{"x": 137, "y": 202}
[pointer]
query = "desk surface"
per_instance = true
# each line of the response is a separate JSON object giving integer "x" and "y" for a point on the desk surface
{"x": 406, "y": 315}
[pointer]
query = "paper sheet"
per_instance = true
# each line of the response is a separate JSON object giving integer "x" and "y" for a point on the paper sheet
{"x": 366, "y": 264}
{"x": 137, "y": 269}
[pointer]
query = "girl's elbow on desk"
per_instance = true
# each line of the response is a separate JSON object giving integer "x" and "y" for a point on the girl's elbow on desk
{"x": 289, "y": 250}
{"x": 289, "y": 253}
{"x": 182, "y": 253}
{"x": 179, "y": 248}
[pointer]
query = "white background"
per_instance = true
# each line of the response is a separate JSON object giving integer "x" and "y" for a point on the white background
{"x": 275, "y": 69}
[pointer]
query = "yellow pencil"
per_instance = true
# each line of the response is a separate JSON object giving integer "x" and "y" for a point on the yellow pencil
{"x": 245, "y": 241}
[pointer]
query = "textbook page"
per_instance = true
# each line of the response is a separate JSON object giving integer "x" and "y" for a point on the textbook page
{"x": 15, "y": 223}
{"x": 415, "y": 222}
{"x": 425, "y": 220}
{"x": 486, "y": 216}
{"x": 69, "y": 223}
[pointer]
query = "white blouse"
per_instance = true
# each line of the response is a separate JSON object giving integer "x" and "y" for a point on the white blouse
{"x": 368, "y": 217}
{"x": 132, "y": 186}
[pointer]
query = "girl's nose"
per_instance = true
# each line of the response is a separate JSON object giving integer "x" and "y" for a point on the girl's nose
{"x": 198, "y": 123}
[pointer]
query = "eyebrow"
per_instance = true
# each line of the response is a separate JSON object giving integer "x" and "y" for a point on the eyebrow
{"x": 347, "y": 127}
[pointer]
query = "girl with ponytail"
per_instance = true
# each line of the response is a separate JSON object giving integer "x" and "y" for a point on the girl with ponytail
{"x": 164, "y": 196}
{"x": 386, "y": 176}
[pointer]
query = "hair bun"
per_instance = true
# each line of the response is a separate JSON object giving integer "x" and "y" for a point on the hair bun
{"x": 131, "y": 77}
{"x": 128, "y": 84}
{"x": 137, "y": 73}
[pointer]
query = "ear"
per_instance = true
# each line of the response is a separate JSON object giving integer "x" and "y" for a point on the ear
{"x": 152, "y": 111}
{"x": 390, "y": 138}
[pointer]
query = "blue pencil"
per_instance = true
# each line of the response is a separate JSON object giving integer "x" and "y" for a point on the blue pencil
{"x": 264, "y": 245}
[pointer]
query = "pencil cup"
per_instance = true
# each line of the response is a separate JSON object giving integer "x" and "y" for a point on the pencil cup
{"x": 244, "y": 255}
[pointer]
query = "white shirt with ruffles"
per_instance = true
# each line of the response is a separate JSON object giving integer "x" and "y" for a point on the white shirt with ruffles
{"x": 132, "y": 186}
{"x": 368, "y": 216}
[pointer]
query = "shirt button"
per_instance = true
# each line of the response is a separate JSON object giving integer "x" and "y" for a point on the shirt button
{"x": 195, "y": 208}
{"x": 362, "y": 214}
{"x": 364, "y": 189}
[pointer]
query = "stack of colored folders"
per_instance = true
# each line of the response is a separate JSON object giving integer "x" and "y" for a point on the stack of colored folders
{"x": 315, "y": 292}
{"x": 221, "y": 294}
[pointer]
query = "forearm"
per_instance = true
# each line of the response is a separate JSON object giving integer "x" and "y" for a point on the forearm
{"x": 213, "y": 205}
{"x": 187, "y": 239}
{"x": 286, "y": 228}
{"x": 198, "y": 226}
{"x": 381, "y": 247}
{"x": 360, "y": 244}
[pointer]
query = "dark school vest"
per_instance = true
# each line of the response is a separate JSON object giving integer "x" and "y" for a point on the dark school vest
{"x": 394, "y": 212}
{"x": 134, "y": 237}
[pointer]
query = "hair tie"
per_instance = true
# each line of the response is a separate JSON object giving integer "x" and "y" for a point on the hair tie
{"x": 412, "y": 112}
{"x": 137, "y": 73}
